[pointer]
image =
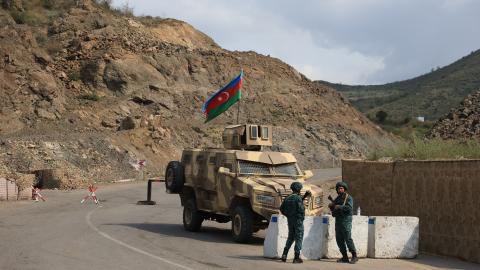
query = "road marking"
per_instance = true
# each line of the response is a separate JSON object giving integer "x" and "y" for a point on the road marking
{"x": 87, "y": 218}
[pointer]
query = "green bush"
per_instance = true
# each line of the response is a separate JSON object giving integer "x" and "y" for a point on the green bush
{"x": 91, "y": 97}
{"x": 381, "y": 116}
{"x": 48, "y": 4}
{"x": 107, "y": 4}
{"x": 41, "y": 39}
{"x": 422, "y": 149}
{"x": 124, "y": 10}
{"x": 150, "y": 21}
{"x": 30, "y": 17}
{"x": 74, "y": 75}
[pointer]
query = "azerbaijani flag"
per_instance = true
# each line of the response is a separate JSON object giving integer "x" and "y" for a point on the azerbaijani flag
{"x": 223, "y": 98}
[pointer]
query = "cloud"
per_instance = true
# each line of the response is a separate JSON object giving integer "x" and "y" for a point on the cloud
{"x": 354, "y": 42}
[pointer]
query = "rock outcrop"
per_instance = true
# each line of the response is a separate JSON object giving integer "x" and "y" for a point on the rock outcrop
{"x": 460, "y": 123}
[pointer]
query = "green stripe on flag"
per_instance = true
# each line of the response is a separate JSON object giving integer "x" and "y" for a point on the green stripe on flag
{"x": 223, "y": 107}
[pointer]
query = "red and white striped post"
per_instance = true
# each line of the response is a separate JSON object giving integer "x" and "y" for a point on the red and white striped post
{"x": 36, "y": 194}
{"x": 139, "y": 165}
{"x": 91, "y": 189}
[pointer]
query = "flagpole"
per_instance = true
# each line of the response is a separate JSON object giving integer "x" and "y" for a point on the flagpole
{"x": 238, "y": 110}
{"x": 238, "y": 107}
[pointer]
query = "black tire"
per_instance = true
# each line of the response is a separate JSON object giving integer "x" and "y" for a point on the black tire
{"x": 242, "y": 224}
{"x": 192, "y": 218}
{"x": 174, "y": 177}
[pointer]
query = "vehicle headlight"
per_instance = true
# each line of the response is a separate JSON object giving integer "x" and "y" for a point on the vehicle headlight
{"x": 265, "y": 199}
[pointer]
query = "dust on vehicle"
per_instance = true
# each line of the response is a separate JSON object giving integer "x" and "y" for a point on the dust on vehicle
{"x": 239, "y": 183}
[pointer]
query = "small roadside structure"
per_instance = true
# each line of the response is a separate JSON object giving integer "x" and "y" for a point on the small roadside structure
{"x": 10, "y": 190}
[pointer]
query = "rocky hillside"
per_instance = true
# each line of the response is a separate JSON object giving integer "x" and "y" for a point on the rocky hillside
{"x": 431, "y": 95}
{"x": 462, "y": 122}
{"x": 89, "y": 90}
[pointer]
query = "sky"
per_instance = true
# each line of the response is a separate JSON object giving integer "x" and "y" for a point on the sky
{"x": 342, "y": 41}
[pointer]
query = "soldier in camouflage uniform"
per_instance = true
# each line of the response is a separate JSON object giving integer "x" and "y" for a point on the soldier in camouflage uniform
{"x": 341, "y": 209}
{"x": 293, "y": 208}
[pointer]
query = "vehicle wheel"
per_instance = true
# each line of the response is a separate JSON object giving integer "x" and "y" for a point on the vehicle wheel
{"x": 174, "y": 177}
{"x": 242, "y": 224}
{"x": 192, "y": 218}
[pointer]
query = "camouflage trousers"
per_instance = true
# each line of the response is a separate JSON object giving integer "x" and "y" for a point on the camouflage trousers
{"x": 295, "y": 234}
{"x": 343, "y": 235}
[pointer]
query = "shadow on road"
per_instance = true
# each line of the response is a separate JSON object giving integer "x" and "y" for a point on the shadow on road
{"x": 255, "y": 258}
{"x": 206, "y": 234}
{"x": 444, "y": 262}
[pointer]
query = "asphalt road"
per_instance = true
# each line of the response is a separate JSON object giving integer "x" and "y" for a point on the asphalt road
{"x": 63, "y": 234}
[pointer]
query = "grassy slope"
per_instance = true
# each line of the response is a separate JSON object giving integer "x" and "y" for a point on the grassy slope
{"x": 430, "y": 95}
{"x": 433, "y": 149}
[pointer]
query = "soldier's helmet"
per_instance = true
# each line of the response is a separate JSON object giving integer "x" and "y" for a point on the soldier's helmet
{"x": 296, "y": 186}
{"x": 341, "y": 184}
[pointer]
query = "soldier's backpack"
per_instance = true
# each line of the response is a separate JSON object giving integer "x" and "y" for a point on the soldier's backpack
{"x": 287, "y": 208}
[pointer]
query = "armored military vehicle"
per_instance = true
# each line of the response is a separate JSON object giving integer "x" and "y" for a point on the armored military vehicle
{"x": 238, "y": 183}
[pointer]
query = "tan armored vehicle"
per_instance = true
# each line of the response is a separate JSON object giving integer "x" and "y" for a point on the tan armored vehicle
{"x": 240, "y": 183}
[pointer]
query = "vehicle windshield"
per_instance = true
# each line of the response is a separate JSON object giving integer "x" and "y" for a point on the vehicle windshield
{"x": 257, "y": 168}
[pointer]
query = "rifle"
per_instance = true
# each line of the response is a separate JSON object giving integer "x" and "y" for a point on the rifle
{"x": 331, "y": 199}
{"x": 307, "y": 194}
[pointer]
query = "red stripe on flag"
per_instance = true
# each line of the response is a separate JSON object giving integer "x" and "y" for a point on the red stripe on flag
{"x": 219, "y": 99}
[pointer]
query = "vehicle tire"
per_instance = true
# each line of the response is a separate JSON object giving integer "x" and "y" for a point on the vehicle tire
{"x": 242, "y": 224}
{"x": 192, "y": 218}
{"x": 174, "y": 177}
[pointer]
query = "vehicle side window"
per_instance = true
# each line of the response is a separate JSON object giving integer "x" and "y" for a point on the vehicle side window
{"x": 264, "y": 133}
{"x": 212, "y": 160}
{"x": 253, "y": 132}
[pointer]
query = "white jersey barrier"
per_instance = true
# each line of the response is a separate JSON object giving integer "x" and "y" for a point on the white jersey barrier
{"x": 359, "y": 236}
{"x": 393, "y": 237}
{"x": 277, "y": 234}
{"x": 384, "y": 237}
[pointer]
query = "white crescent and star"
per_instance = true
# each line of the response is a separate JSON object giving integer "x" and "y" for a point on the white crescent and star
{"x": 222, "y": 98}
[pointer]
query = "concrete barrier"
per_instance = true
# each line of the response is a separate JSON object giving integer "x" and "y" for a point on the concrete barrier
{"x": 393, "y": 237}
{"x": 277, "y": 234}
{"x": 359, "y": 236}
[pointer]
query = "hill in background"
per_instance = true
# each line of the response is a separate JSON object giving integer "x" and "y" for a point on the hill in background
{"x": 87, "y": 89}
{"x": 431, "y": 95}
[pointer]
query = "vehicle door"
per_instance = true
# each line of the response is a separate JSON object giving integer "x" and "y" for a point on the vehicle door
{"x": 205, "y": 181}
{"x": 224, "y": 183}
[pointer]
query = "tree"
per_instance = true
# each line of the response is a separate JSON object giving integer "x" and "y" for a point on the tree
{"x": 381, "y": 116}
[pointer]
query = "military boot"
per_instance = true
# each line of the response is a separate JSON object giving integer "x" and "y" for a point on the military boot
{"x": 284, "y": 257}
{"x": 297, "y": 258}
{"x": 354, "y": 258}
{"x": 344, "y": 258}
